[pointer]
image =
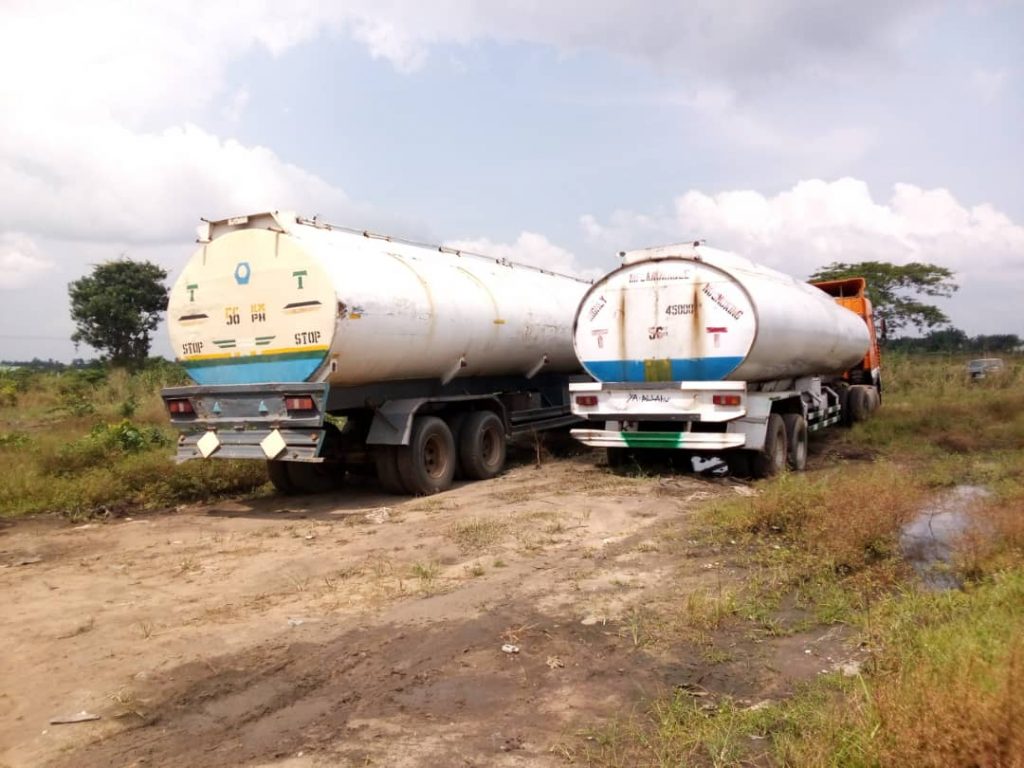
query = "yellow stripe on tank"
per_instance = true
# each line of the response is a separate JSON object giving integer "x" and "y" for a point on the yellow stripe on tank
{"x": 255, "y": 353}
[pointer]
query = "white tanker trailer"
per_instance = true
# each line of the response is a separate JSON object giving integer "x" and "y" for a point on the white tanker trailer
{"x": 433, "y": 356}
{"x": 701, "y": 350}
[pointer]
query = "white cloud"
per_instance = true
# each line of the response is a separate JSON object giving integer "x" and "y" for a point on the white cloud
{"x": 20, "y": 260}
{"x": 730, "y": 39}
{"x": 101, "y": 135}
{"x": 104, "y": 181}
{"x": 96, "y": 143}
{"x": 741, "y": 124}
{"x": 989, "y": 83}
{"x": 530, "y": 248}
{"x": 234, "y": 108}
{"x": 817, "y": 222}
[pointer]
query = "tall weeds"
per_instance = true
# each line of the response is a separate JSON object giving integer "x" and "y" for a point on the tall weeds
{"x": 90, "y": 441}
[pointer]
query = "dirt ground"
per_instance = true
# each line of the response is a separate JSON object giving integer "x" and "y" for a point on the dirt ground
{"x": 489, "y": 625}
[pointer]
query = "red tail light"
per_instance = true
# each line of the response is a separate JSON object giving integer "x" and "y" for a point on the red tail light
{"x": 182, "y": 406}
{"x": 726, "y": 399}
{"x": 586, "y": 400}
{"x": 304, "y": 403}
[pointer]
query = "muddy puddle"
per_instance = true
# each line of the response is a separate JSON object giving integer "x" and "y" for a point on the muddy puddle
{"x": 929, "y": 540}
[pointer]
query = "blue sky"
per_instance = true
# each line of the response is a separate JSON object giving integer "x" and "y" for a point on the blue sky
{"x": 552, "y": 133}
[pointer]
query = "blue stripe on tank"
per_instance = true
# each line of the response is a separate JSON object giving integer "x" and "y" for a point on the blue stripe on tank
{"x": 254, "y": 371}
{"x": 692, "y": 369}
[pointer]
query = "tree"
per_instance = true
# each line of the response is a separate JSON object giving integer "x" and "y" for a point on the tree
{"x": 999, "y": 342}
{"x": 946, "y": 340}
{"x": 893, "y": 288}
{"x": 117, "y": 306}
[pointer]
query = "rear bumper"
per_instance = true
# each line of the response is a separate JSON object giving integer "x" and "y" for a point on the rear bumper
{"x": 662, "y": 401}
{"x": 280, "y": 444}
{"x": 249, "y": 422}
{"x": 711, "y": 415}
{"x": 700, "y": 441}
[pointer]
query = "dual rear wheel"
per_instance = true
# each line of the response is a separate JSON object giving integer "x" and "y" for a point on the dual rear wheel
{"x": 473, "y": 443}
{"x": 859, "y": 401}
{"x": 785, "y": 445}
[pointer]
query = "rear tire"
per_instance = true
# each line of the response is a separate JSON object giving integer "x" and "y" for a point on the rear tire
{"x": 739, "y": 462}
{"x": 456, "y": 421}
{"x": 308, "y": 477}
{"x": 859, "y": 403}
{"x": 277, "y": 471}
{"x": 843, "y": 390}
{"x": 796, "y": 441}
{"x": 385, "y": 460}
{"x": 771, "y": 460}
{"x": 297, "y": 477}
{"x": 618, "y": 458}
{"x": 427, "y": 464}
{"x": 482, "y": 446}
{"x": 874, "y": 399}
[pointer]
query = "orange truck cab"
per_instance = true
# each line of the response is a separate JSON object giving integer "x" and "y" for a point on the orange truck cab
{"x": 851, "y": 293}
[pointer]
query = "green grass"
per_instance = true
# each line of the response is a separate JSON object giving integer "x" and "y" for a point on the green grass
{"x": 942, "y": 689}
{"x": 94, "y": 441}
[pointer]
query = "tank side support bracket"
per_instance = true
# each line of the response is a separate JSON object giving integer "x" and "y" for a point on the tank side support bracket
{"x": 453, "y": 371}
{"x": 537, "y": 366}
{"x": 392, "y": 421}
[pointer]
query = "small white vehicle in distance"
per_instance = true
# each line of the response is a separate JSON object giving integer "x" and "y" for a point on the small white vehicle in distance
{"x": 980, "y": 368}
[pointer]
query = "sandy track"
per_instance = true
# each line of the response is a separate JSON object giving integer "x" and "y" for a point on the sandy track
{"x": 355, "y": 628}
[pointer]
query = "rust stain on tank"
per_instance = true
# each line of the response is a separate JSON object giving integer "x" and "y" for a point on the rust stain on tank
{"x": 697, "y": 337}
{"x": 620, "y": 319}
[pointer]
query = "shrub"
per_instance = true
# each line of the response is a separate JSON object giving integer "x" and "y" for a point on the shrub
{"x": 8, "y": 394}
{"x": 13, "y": 439}
{"x": 845, "y": 521}
{"x": 995, "y": 540}
{"x": 104, "y": 440}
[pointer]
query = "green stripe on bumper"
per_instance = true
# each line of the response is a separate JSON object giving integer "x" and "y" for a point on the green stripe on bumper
{"x": 698, "y": 441}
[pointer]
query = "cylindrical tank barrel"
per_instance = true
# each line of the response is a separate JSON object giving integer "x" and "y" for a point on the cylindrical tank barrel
{"x": 692, "y": 313}
{"x": 294, "y": 301}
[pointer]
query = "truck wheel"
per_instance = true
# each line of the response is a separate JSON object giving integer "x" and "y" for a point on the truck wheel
{"x": 771, "y": 460}
{"x": 308, "y": 477}
{"x": 427, "y": 464}
{"x": 482, "y": 445}
{"x": 859, "y": 403}
{"x": 277, "y": 471}
{"x": 796, "y": 440}
{"x": 844, "y": 405}
{"x": 385, "y": 459}
{"x": 455, "y": 422}
{"x": 618, "y": 458}
{"x": 739, "y": 462}
{"x": 874, "y": 399}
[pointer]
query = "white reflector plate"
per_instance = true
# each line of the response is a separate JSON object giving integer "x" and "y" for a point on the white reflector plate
{"x": 273, "y": 445}
{"x": 208, "y": 443}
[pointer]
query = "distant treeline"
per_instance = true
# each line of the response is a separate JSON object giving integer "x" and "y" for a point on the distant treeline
{"x": 955, "y": 340}
{"x": 35, "y": 364}
{"x": 78, "y": 364}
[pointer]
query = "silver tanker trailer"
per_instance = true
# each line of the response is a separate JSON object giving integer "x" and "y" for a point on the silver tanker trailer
{"x": 324, "y": 351}
{"x": 700, "y": 350}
